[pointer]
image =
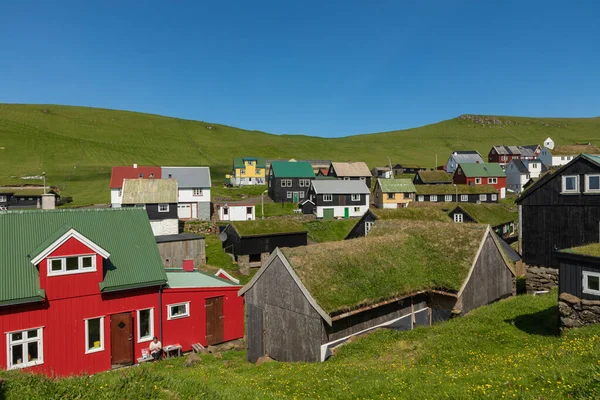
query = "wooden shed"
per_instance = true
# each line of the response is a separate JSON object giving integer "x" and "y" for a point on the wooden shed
{"x": 500, "y": 218}
{"x": 185, "y": 246}
{"x": 305, "y": 301}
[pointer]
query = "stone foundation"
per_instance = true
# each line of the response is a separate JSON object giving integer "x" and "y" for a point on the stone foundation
{"x": 541, "y": 278}
{"x": 575, "y": 312}
{"x": 244, "y": 264}
{"x": 264, "y": 257}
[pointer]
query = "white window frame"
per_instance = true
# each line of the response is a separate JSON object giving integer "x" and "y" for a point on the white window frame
{"x": 79, "y": 270}
{"x": 327, "y": 197}
{"x": 390, "y": 196}
{"x": 483, "y": 197}
{"x": 587, "y": 274}
{"x": 355, "y": 197}
{"x": 120, "y": 192}
{"x": 368, "y": 226}
{"x": 243, "y": 171}
{"x": 564, "y": 184}
{"x": 587, "y": 183}
{"x": 464, "y": 197}
{"x": 433, "y": 197}
{"x": 492, "y": 181}
{"x": 478, "y": 181}
{"x": 140, "y": 338}
{"x": 301, "y": 182}
{"x": 289, "y": 195}
{"x": 284, "y": 183}
{"x": 163, "y": 208}
{"x": 101, "y": 348}
{"x": 10, "y": 343}
{"x": 197, "y": 192}
{"x": 458, "y": 217}
{"x": 448, "y": 197}
{"x": 421, "y": 198}
{"x": 301, "y": 194}
{"x": 3, "y": 198}
{"x": 494, "y": 197}
{"x": 187, "y": 310}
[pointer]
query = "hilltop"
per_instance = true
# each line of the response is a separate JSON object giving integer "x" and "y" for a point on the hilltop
{"x": 77, "y": 146}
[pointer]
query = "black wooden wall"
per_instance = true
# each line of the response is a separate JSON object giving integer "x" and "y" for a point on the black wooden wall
{"x": 359, "y": 229}
{"x": 154, "y": 214}
{"x": 258, "y": 244}
{"x": 570, "y": 274}
{"x": 279, "y": 194}
{"x": 473, "y": 198}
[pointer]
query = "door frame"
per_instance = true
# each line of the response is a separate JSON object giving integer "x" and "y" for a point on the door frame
{"x": 131, "y": 335}
{"x": 221, "y": 323}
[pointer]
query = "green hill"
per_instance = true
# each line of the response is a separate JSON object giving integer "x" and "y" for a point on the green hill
{"x": 77, "y": 146}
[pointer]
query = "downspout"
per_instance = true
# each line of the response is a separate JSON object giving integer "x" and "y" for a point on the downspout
{"x": 160, "y": 313}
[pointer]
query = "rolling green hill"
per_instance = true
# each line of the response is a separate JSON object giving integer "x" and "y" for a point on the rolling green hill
{"x": 77, "y": 146}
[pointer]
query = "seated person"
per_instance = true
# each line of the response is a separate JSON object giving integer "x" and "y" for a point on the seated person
{"x": 155, "y": 348}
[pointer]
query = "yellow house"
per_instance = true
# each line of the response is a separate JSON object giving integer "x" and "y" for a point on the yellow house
{"x": 247, "y": 171}
{"x": 393, "y": 193}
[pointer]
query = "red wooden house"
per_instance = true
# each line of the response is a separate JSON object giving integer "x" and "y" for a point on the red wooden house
{"x": 481, "y": 174}
{"x": 82, "y": 291}
{"x": 504, "y": 154}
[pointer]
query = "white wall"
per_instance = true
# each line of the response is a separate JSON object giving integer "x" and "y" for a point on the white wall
{"x": 186, "y": 195}
{"x": 115, "y": 199}
{"x": 338, "y": 211}
{"x": 165, "y": 227}
{"x": 236, "y": 213}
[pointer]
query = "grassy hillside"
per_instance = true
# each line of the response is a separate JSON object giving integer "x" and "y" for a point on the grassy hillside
{"x": 76, "y": 146}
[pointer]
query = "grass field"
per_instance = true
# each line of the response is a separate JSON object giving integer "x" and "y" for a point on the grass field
{"x": 507, "y": 350}
{"x": 77, "y": 146}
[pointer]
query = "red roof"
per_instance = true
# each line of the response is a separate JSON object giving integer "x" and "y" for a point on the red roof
{"x": 324, "y": 171}
{"x": 120, "y": 173}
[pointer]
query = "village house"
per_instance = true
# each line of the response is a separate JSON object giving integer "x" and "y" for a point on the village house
{"x": 432, "y": 178}
{"x": 501, "y": 220}
{"x": 557, "y": 156}
{"x": 193, "y": 191}
{"x": 304, "y": 301}
{"x": 481, "y": 174}
{"x": 289, "y": 181}
{"x": 382, "y": 172}
{"x": 462, "y": 157}
{"x": 236, "y": 211}
{"x": 519, "y": 172}
{"x": 351, "y": 171}
{"x": 315, "y": 164}
{"x": 176, "y": 250}
{"x": 455, "y": 193}
{"x": 85, "y": 291}
{"x": 503, "y": 155}
{"x": 25, "y": 197}
{"x": 159, "y": 199}
{"x": 393, "y": 193}
{"x": 401, "y": 169}
{"x": 119, "y": 174}
{"x": 330, "y": 199}
{"x": 247, "y": 171}
{"x": 559, "y": 211}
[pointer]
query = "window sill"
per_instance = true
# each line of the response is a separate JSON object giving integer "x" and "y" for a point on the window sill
{"x": 592, "y": 292}
{"x": 145, "y": 339}
{"x": 27, "y": 365}
{"x": 570, "y": 193}
{"x": 177, "y": 317}
{"x": 592, "y": 193}
{"x": 92, "y": 351}
{"x": 71, "y": 272}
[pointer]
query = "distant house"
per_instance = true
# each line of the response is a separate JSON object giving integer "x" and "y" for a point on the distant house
{"x": 315, "y": 164}
{"x": 322, "y": 172}
{"x": 247, "y": 171}
{"x": 497, "y": 216}
{"x": 337, "y": 198}
{"x": 449, "y": 193}
{"x": 236, "y": 211}
{"x": 393, "y": 193}
{"x": 176, "y": 250}
{"x": 462, "y": 157}
{"x": 159, "y": 198}
{"x": 119, "y": 174}
{"x": 519, "y": 172}
{"x": 559, "y": 211}
{"x": 432, "y": 178}
{"x": 304, "y": 302}
{"x": 25, "y": 197}
{"x": 504, "y": 154}
{"x": 351, "y": 171}
{"x": 561, "y": 155}
{"x": 382, "y": 172}
{"x": 481, "y": 174}
{"x": 400, "y": 169}
{"x": 289, "y": 181}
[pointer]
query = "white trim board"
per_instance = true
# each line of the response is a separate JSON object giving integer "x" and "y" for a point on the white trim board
{"x": 231, "y": 278}
{"x": 71, "y": 233}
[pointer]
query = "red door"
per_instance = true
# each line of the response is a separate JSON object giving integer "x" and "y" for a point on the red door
{"x": 121, "y": 339}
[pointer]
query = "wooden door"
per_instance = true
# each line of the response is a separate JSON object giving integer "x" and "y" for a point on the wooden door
{"x": 215, "y": 331}
{"x": 121, "y": 339}
{"x": 346, "y": 213}
{"x": 296, "y": 197}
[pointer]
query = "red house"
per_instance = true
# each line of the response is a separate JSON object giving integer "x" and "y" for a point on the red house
{"x": 84, "y": 291}
{"x": 481, "y": 174}
{"x": 503, "y": 154}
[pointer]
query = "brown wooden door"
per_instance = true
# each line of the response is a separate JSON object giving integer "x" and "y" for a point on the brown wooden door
{"x": 215, "y": 331}
{"x": 121, "y": 339}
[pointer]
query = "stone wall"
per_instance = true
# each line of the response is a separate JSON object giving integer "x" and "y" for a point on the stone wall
{"x": 541, "y": 278}
{"x": 575, "y": 312}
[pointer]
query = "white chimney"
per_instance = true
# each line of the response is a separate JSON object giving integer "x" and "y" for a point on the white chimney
{"x": 134, "y": 165}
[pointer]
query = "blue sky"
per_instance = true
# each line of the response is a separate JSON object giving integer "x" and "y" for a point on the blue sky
{"x": 327, "y": 68}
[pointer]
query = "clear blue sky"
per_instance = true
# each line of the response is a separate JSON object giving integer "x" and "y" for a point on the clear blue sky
{"x": 328, "y": 68}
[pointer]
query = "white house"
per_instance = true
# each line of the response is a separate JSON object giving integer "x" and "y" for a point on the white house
{"x": 549, "y": 143}
{"x": 338, "y": 198}
{"x": 557, "y": 156}
{"x": 462, "y": 157}
{"x": 519, "y": 172}
{"x": 236, "y": 212}
{"x": 193, "y": 199}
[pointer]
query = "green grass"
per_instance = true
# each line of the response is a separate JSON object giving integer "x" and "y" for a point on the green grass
{"x": 276, "y": 209}
{"x": 492, "y": 214}
{"x": 424, "y": 212}
{"x": 220, "y": 193}
{"x": 592, "y": 249}
{"x": 329, "y": 231}
{"x": 508, "y": 349}
{"x": 268, "y": 226}
{"x": 77, "y": 146}
{"x": 217, "y": 258}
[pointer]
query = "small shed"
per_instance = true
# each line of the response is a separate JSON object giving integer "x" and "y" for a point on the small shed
{"x": 432, "y": 178}
{"x": 236, "y": 212}
{"x": 501, "y": 219}
{"x": 307, "y": 206}
{"x": 174, "y": 249}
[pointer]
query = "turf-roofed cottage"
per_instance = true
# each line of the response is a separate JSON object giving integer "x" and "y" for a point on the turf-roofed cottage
{"x": 247, "y": 171}
{"x": 432, "y": 178}
{"x": 305, "y": 301}
{"x": 86, "y": 291}
{"x": 13, "y": 198}
{"x": 289, "y": 181}
{"x": 501, "y": 219}
{"x": 393, "y": 193}
{"x": 456, "y": 193}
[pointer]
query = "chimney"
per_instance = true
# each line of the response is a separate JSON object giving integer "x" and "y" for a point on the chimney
{"x": 188, "y": 265}
{"x": 134, "y": 165}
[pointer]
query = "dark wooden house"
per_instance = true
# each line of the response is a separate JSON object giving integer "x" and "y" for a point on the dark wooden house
{"x": 292, "y": 313}
{"x": 337, "y": 198}
{"x": 400, "y": 169}
{"x": 25, "y": 197}
{"x": 560, "y": 211}
{"x": 289, "y": 181}
{"x": 159, "y": 198}
{"x": 175, "y": 249}
{"x": 501, "y": 219}
{"x": 351, "y": 171}
{"x": 449, "y": 193}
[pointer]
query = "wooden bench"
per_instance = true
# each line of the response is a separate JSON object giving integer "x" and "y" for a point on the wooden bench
{"x": 171, "y": 348}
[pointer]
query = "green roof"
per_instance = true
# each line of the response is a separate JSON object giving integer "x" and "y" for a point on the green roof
{"x": 124, "y": 232}
{"x": 492, "y": 214}
{"x": 196, "y": 279}
{"x": 574, "y": 149}
{"x": 268, "y": 226}
{"x": 595, "y": 158}
{"x": 396, "y": 259}
{"x": 412, "y": 213}
{"x": 592, "y": 249}
{"x": 25, "y": 191}
{"x": 451, "y": 189}
{"x": 482, "y": 170}
{"x": 434, "y": 176}
{"x": 292, "y": 169}
{"x": 396, "y": 185}
{"x": 238, "y": 162}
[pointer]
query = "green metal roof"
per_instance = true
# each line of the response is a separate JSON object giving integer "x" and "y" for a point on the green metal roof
{"x": 594, "y": 158}
{"x": 396, "y": 185}
{"x": 291, "y": 169}
{"x": 238, "y": 162}
{"x": 196, "y": 279}
{"x": 124, "y": 232}
{"x": 482, "y": 169}
{"x": 49, "y": 240}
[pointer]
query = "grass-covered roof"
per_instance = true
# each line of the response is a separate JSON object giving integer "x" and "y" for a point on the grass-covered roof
{"x": 419, "y": 255}
{"x": 411, "y": 213}
{"x": 574, "y": 149}
{"x": 492, "y": 214}
{"x": 592, "y": 249}
{"x": 451, "y": 189}
{"x": 434, "y": 176}
{"x": 268, "y": 226}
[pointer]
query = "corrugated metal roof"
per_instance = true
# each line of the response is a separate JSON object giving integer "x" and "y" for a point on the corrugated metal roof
{"x": 120, "y": 173}
{"x": 196, "y": 279}
{"x": 124, "y": 232}
{"x": 396, "y": 185}
{"x": 482, "y": 169}
{"x": 188, "y": 177}
{"x": 351, "y": 169}
{"x": 339, "y": 186}
{"x": 463, "y": 157}
{"x": 292, "y": 169}
{"x": 149, "y": 191}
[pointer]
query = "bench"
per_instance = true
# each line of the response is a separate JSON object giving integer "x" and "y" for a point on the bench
{"x": 171, "y": 348}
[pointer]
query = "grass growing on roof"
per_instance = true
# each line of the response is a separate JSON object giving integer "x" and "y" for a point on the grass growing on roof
{"x": 451, "y": 189}
{"x": 592, "y": 249}
{"x": 329, "y": 231}
{"x": 412, "y": 213}
{"x": 435, "y": 176}
{"x": 492, "y": 214}
{"x": 268, "y": 226}
{"x": 574, "y": 149}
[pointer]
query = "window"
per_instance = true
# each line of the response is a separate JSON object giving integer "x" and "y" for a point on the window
{"x": 494, "y": 197}
{"x": 3, "y": 199}
{"x": 421, "y": 198}
{"x": 289, "y": 195}
{"x": 592, "y": 183}
{"x": 248, "y": 210}
{"x": 71, "y": 265}
{"x": 243, "y": 171}
{"x": 180, "y": 310}
{"x": 356, "y": 209}
{"x": 94, "y": 335}
{"x": 562, "y": 159}
{"x": 483, "y": 197}
{"x": 433, "y": 197}
{"x": 300, "y": 195}
{"x": 346, "y": 178}
{"x": 355, "y": 197}
{"x": 163, "y": 208}
{"x": 327, "y": 197}
{"x": 477, "y": 181}
{"x": 448, "y": 197}
{"x": 141, "y": 175}
{"x": 197, "y": 192}
{"x": 250, "y": 163}
{"x": 368, "y": 226}
{"x": 120, "y": 192}
{"x": 286, "y": 183}
{"x": 492, "y": 180}
{"x": 225, "y": 211}
{"x": 407, "y": 195}
{"x": 591, "y": 282}
{"x": 391, "y": 196}
{"x": 533, "y": 165}
{"x": 258, "y": 171}
{"x": 304, "y": 182}
{"x": 459, "y": 171}
{"x": 458, "y": 217}
{"x": 25, "y": 348}
{"x": 145, "y": 324}
{"x": 464, "y": 197}
{"x": 570, "y": 184}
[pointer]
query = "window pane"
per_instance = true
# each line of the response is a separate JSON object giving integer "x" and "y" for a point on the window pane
{"x": 32, "y": 334}
{"x": 145, "y": 323}
{"x": 32, "y": 351}
{"x": 72, "y": 263}
{"x": 178, "y": 310}
{"x": 93, "y": 338}
{"x": 570, "y": 183}
{"x": 594, "y": 183}
{"x": 86, "y": 262}
{"x": 16, "y": 336}
{"x": 56, "y": 265}
{"x": 593, "y": 282}
{"x": 17, "y": 354}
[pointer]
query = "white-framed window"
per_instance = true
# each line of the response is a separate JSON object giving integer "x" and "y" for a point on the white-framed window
{"x": 421, "y": 198}
{"x": 356, "y": 209}
{"x": 225, "y": 211}
{"x": 120, "y": 192}
{"x": 562, "y": 159}
{"x": 492, "y": 180}
{"x": 459, "y": 171}
{"x": 368, "y": 226}
{"x": 570, "y": 184}
{"x": 289, "y": 195}
{"x": 94, "y": 335}
{"x": 3, "y": 198}
{"x": 327, "y": 197}
{"x": 533, "y": 165}
{"x": 304, "y": 182}
{"x": 346, "y": 178}
{"x": 25, "y": 348}
{"x": 458, "y": 217}
{"x": 71, "y": 265}
{"x": 483, "y": 197}
{"x": 448, "y": 197}
{"x": 250, "y": 163}
{"x": 163, "y": 208}
{"x": 433, "y": 197}
{"x": 180, "y": 310}
{"x": 145, "y": 325}
{"x": 196, "y": 192}
{"x": 286, "y": 183}
{"x": 494, "y": 197}
{"x": 243, "y": 171}
{"x": 592, "y": 183}
{"x": 301, "y": 182}
{"x": 477, "y": 181}
{"x": 258, "y": 171}
{"x": 391, "y": 196}
{"x": 249, "y": 210}
{"x": 464, "y": 197}
{"x": 355, "y": 197}
{"x": 301, "y": 195}
{"x": 591, "y": 282}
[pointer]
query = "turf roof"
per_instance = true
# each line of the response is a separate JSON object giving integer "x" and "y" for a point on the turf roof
{"x": 592, "y": 249}
{"x": 396, "y": 185}
{"x": 268, "y": 226}
{"x": 451, "y": 189}
{"x": 435, "y": 176}
{"x": 492, "y": 214}
{"x": 412, "y": 213}
{"x": 396, "y": 259}
{"x": 574, "y": 149}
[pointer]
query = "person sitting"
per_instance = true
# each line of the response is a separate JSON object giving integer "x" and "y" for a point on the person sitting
{"x": 155, "y": 349}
